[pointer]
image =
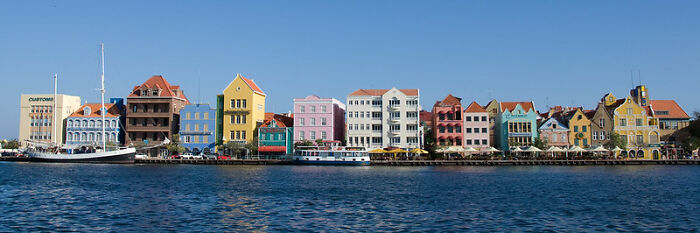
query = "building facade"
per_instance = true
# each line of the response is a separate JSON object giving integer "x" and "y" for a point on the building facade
{"x": 318, "y": 118}
{"x": 579, "y": 128}
{"x": 448, "y": 122}
{"x": 554, "y": 132}
{"x": 197, "y": 128}
{"x": 493, "y": 108}
{"x": 516, "y": 125}
{"x": 672, "y": 118}
{"x": 601, "y": 125}
{"x": 382, "y": 118}
{"x": 240, "y": 110}
{"x": 637, "y": 126}
{"x": 36, "y": 117}
{"x": 476, "y": 127}
{"x": 276, "y": 136}
{"x": 84, "y": 126}
{"x": 153, "y": 113}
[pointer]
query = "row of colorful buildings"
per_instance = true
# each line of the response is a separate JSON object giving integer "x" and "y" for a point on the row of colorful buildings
{"x": 648, "y": 128}
{"x": 372, "y": 118}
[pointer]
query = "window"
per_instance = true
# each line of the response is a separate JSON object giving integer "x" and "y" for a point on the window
{"x": 349, "y": 114}
{"x": 302, "y": 108}
{"x": 377, "y": 128}
{"x": 412, "y": 115}
{"x": 323, "y": 121}
{"x": 376, "y": 115}
{"x": 206, "y": 116}
{"x": 243, "y": 119}
{"x": 302, "y": 121}
{"x": 394, "y": 127}
{"x": 206, "y": 127}
{"x": 233, "y": 119}
{"x": 640, "y": 139}
{"x": 476, "y": 142}
{"x": 377, "y": 103}
{"x": 450, "y": 129}
{"x": 243, "y": 135}
{"x": 323, "y": 135}
{"x": 313, "y": 135}
{"x": 602, "y": 122}
{"x": 187, "y": 127}
{"x": 244, "y": 104}
{"x": 441, "y": 129}
{"x": 576, "y": 128}
{"x": 357, "y": 114}
{"x": 585, "y": 142}
{"x": 324, "y": 108}
{"x": 595, "y": 135}
{"x": 476, "y": 130}
{"x": 233, "y": 103}
{"x": 483, "y": 118}
{"x": 639, "y": 122}
{"x": 313, "y": 108}
{"x": 362, "y": 114}
{"x": 579, "y": 117}
{"x": 602, "y": 135}
{"x": 395, "y": 140}
{"x": 415, "y": 128}
{"x": 238, "y": 103}
{"x": 476, "y": 118}
{"x": 469, "y": 142}
{"x": 394, "y": 102}
{"x": 469, "y": 130}
{"x": 313, "y": 121}
{"x": 584, "y": 128}
{"x": 238, "y": 119}
{"x": 483, "y": 130}
{"x": 468, "y": 118}
{"x": 395, "y": 115}
{"x": 484, "y": 142}
{"x": 187, "y": 116}
{"x": 301, "y": 135}
{"x": 196, "y": 127}
{"x": 196, "y": 116}
{"x": 412, "y": 140}
{"x": 554, "y": 138}
{"x": 441, "y": 116}
{"x": 623, "y": 122}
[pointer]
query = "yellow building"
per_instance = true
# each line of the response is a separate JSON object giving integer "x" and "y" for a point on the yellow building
{"x": 637, "y": 125}
{"x": 240, "y": 109}
{"x": 579, "y": 128}
{"x": 36, "y": 119}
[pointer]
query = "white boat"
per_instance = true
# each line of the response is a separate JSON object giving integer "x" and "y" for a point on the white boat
{"x": 313, "y": 155}
{"x": 53, "y": 153}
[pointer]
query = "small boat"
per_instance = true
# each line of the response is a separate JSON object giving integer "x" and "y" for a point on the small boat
{"x": 88, "y": 154}
{"x": 314, "y": 155}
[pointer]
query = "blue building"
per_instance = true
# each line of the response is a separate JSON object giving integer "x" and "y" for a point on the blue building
{"x": 276, "y": 136}
{"x": 516, "y": 125}
{"x": 84, "y": 126}
{"x": 197, "y": 127}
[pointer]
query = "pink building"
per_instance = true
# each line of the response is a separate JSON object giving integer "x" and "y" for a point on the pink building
{"x": 317, "y": 118}
{"x": 476, "y": 126}
{"x": 447, "y": 121}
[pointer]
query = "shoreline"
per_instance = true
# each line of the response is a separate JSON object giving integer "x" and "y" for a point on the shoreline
{"x": 417, "y": 162}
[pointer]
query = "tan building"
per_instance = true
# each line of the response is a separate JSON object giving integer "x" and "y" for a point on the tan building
{"x": 36, "y": 121}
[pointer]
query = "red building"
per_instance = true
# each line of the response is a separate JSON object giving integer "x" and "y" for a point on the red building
{"x": 447, "y": 121}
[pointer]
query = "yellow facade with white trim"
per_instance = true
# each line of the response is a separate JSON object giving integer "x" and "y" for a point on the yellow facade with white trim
{"x": 638, "y": 129}
{"x": 243, "y": 111}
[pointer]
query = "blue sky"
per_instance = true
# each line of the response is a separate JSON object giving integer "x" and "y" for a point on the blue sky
{"x": 551, "y": 52}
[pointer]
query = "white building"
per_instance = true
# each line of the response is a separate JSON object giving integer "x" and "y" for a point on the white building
{"x": 381, "y": 118}
{"x": 36, "y": 117}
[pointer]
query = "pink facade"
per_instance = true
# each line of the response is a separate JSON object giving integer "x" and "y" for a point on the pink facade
{"x": 476, "y": 126}
{"x": 318, "y": 118}
{"x": 447, "y": 121}
{"x": 554, "y": 132}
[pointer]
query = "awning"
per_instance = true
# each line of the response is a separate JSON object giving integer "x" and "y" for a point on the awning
{"x": 282, "y": 149}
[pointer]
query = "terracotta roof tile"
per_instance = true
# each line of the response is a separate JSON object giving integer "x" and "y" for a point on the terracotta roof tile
{"x": 112, "y": 111}
{"x": 451, "y": 100}
{"x": 674, "y": 110}
{"x": 252, "y": 84}
{"x": 380, "y": 92}
{"x": 281, "y": 120}
{"x": 160, "y": 82}
{"x": 475, "y": 107}
{"x": 511, "y": 105}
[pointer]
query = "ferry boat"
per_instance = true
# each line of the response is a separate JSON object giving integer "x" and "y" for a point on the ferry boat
{"x": 314, "y": 155}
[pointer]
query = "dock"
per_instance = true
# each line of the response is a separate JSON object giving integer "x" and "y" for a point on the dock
{"x": 412, "y": 162}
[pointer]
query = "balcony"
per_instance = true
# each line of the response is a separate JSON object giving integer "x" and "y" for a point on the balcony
{"x": 395, "y": 119}
{"x": 148, "y": 114}
{"x": 395, "y": 133}
{"x": 140, "y": 128}
{"x": 394, "y": 107}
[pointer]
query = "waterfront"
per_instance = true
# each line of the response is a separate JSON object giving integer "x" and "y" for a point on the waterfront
{"x": 89, "y": 197}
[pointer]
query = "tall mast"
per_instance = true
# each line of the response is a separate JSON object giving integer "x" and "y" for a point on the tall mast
{"x": 102, "y": 90}
{"x": 53, "y": 110}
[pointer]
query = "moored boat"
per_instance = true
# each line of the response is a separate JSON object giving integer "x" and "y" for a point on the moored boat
{"x": 357, "y": 156}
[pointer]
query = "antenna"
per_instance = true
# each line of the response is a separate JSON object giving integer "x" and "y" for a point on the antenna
{"x": 199, "y": 85}
{"x": 632, "y": 77}
{"x": 639, "y": 76}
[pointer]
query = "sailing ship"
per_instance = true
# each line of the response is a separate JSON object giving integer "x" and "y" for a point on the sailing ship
{"x": 43, "y": 152}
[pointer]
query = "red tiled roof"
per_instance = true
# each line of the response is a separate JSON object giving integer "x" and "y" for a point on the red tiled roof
{"x": 508, "y": 106}
{"x": 674, "y": 110}
{"x": 251, "y": 84}
{"x": 281, "y": 120}
{"x": 268, "y": 116}
{"x": 379, "y": 92}
{"x": 425, "y": 116}
{"x": 157, "y": 81}
{"x": 112, "y": 111}
{"x": 475, "y": 107}
{"x": 451, "y": 100}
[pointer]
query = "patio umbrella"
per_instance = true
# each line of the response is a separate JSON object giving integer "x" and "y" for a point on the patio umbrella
{"x": 553, "y": 149}
{"x": 516, "y": 150}
{"x": 491, "y": 149}
{"x": 616, "y": 150}
{"x": 598, "y": 149}
{"x": 532, "y": 150}
{"x": 419, "y": 151}
{"x": 576, "y": 149}
{"x": 398, "y": 150}
{"x": 470, "y": 150}
{"x": 377, "y": 151}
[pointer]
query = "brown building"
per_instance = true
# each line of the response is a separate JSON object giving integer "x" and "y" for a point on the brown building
{"x": 153, "y": 113}
{"x": 601, "y": 125}
{"x": 493, "y": 109}
{"x": 672, "y": 119}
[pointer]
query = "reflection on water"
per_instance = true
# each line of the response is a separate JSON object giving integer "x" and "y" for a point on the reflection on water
{"x": 83, "y": 197}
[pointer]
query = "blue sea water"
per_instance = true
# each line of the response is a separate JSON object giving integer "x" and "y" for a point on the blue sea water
{"x": 85, "y": 197}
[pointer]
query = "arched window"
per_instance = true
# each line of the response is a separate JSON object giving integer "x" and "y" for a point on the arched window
{"x": 99, "y": 124}
{"x": 86, "y": 111}
{"x": 83, "y": 137}
{"x": 85, "y": 124}
{"x": 75, "y": 137}
{"x": 91, "y": 124}
{"x": 113, "y": 137}
{"x": 99, "y": 137}
{"x": 69, "y": 123}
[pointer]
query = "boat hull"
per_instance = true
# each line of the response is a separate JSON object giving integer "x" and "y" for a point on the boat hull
{"x": 330, "y": 161}
{"x": 112, "y": 157}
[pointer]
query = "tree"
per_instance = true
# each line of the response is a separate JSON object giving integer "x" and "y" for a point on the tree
{"x": 11, "y": 144}
{"x": 174, "y": 146}
{"x": 540, "y": 143}
{"x": 430, "y": 144}
{"x": 235, "y": 147}
{"x": 690, "y": 139}
{"x": 303, "y": 143}
{"x": 319, "y": 142}
{"x": 616, "y": 140}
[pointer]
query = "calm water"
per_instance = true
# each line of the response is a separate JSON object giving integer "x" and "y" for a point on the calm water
{"x": 41, "y": 197}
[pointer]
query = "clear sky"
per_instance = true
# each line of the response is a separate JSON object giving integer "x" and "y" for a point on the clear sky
{"x": 551, "y": 52}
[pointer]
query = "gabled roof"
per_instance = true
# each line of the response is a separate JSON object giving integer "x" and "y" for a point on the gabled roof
{"x": 280, "y": 120}
{"x": 158, "y": 82}
{"x": 251, "y": 84}
{"x": 474, "y": 107}
{"x": 425, "y": 116}
{"x": 674, "y": 110}
{"x": 509, "y": 106}
{"x": 450, "y": 100}
{"x": 380, "y": 92}
{"x": 112, "y": 110}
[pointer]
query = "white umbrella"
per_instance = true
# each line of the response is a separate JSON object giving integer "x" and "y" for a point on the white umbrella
{"x": 576, "y": 149}
{"x": 517, "y": 149}
{"x": 470, "y": 149}
{"x": 491, "y": 149}
{"x": 599, "y": 148}
{"x": 532, "y": 149}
